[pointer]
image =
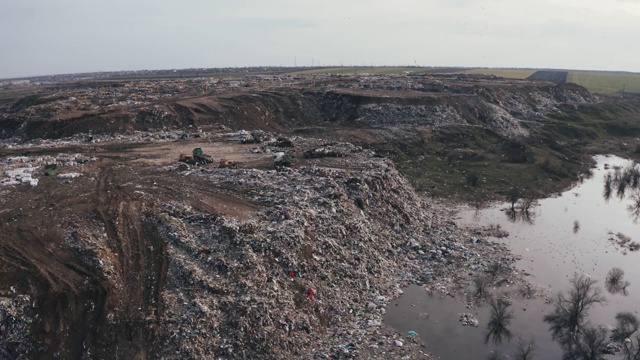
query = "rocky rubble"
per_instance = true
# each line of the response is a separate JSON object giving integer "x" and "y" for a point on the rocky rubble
{"x": 468, "y": 319}
{"x": 137, "y": 137}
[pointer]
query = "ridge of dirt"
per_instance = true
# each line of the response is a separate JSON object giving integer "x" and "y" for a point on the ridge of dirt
{"x": 410, "y": 100}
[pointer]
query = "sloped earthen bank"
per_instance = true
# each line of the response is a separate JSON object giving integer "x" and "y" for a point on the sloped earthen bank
{"x": 504, "y": 106}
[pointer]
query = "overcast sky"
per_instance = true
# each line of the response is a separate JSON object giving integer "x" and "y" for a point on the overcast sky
{"x": 41, "y": 37}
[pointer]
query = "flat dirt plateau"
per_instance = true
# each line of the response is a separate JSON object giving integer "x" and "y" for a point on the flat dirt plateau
{"x": 122, "y": 252}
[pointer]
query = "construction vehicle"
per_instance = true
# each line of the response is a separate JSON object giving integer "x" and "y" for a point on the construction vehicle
{"x": 280, "y": 160}
{"x": 197, "y": 158}
{"x": 228, "y": 164}
{"x": 50, "y": 169}
{"x": 201, "y": 158}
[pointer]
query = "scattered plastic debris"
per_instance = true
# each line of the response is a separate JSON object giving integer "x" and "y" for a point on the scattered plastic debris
{"x": 71, "y": 175}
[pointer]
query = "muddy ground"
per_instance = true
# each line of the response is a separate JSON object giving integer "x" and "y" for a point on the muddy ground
{"x": 141, "y": 257}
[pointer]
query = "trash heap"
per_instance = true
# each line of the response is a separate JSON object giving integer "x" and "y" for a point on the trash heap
{"x": 255, "y": 137}
{"x": 468, "y": 319}
{"x": 15, "y": 325}
{"x": 329, "y": 150}
{"x": 19, "y": 170}
{"x": 17, "y": 176}
{"x": 307, "y": 274}
{"x": 268, "y": 140}
{"x": 103, "y": 139}
{"x": 310, "y": 275}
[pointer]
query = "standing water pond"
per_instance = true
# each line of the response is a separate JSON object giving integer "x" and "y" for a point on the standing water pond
{"x": 587, "y": 231}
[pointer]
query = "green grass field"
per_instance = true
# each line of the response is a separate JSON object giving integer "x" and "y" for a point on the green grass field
{"x": 602, "y": 82}
{"x": 606, "y": 82}
{"x": 505, "y": 73}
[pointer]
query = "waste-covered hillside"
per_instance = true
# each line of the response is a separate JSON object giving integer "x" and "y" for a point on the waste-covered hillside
{"x": 179, "y": 261}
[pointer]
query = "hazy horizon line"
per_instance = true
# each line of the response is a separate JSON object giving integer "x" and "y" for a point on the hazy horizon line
{"x": 333, "y": 66}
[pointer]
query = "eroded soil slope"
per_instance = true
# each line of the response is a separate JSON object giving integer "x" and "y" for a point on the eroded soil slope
{"x": 91, "y": 256}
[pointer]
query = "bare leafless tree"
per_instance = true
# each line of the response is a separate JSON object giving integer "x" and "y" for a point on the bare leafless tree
{"x": 527, "y": 201}
{"x": 608, "y": 187}
{"x": 591, "y": 343}
{"x": 495, "y": 355}
{"x": 525, "y": 349}
{"x": 634, "y": 207}
{"x": 500, "y": 319}
{"x": 571, "y": 309}
{"x": 615, "y": 282}
{"x": 576, "y": 226}
{"x": 631, "y": 348}
{"x": 513, "y": 196}
{"x": 527, "y": 217}
{"x": 481, "y": 283}
{"x": 627, "y": 324}
{"x": 622, "y": 180}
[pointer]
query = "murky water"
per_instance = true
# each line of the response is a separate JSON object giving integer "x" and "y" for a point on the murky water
{"x": 565, "y": 235}
{"x": 436, "y": 320}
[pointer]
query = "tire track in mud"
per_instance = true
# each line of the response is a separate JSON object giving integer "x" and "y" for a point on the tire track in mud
{"x": 66, "y": 292}
{"x": 141, "y": 265}
{"x": 94, "y": 265}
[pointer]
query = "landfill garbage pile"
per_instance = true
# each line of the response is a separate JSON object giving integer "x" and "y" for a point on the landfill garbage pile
{"x": 468, "y": 319}
{"x": 18, "y": 170}
{"x": 15, "y": 323}
{"x": 310, "y": 275}
{"x": 136, "y": 137}
{"x": 283, "y": 102}
{"x": 445, "y": 115}
{"x": 305, "y": 268}
{"x": 323, "y": 151}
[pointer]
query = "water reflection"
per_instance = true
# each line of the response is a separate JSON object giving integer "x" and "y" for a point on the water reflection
{"x": 608, "y": 187}
{"x": 576, "y": 226}
{"x": 615, "y": 283}
{"x": 634, "y": 207}
{"x": 625, "y": 182}
{"x": 525, "y": 217}
{"x": 551, "y": 252}
{"x": 626, "y": 325}
{"x": 500, "y": 319}
{"x": 526, "y": 349}
{"x": 495, "y": 355}
{"x": 568, "y": 321}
